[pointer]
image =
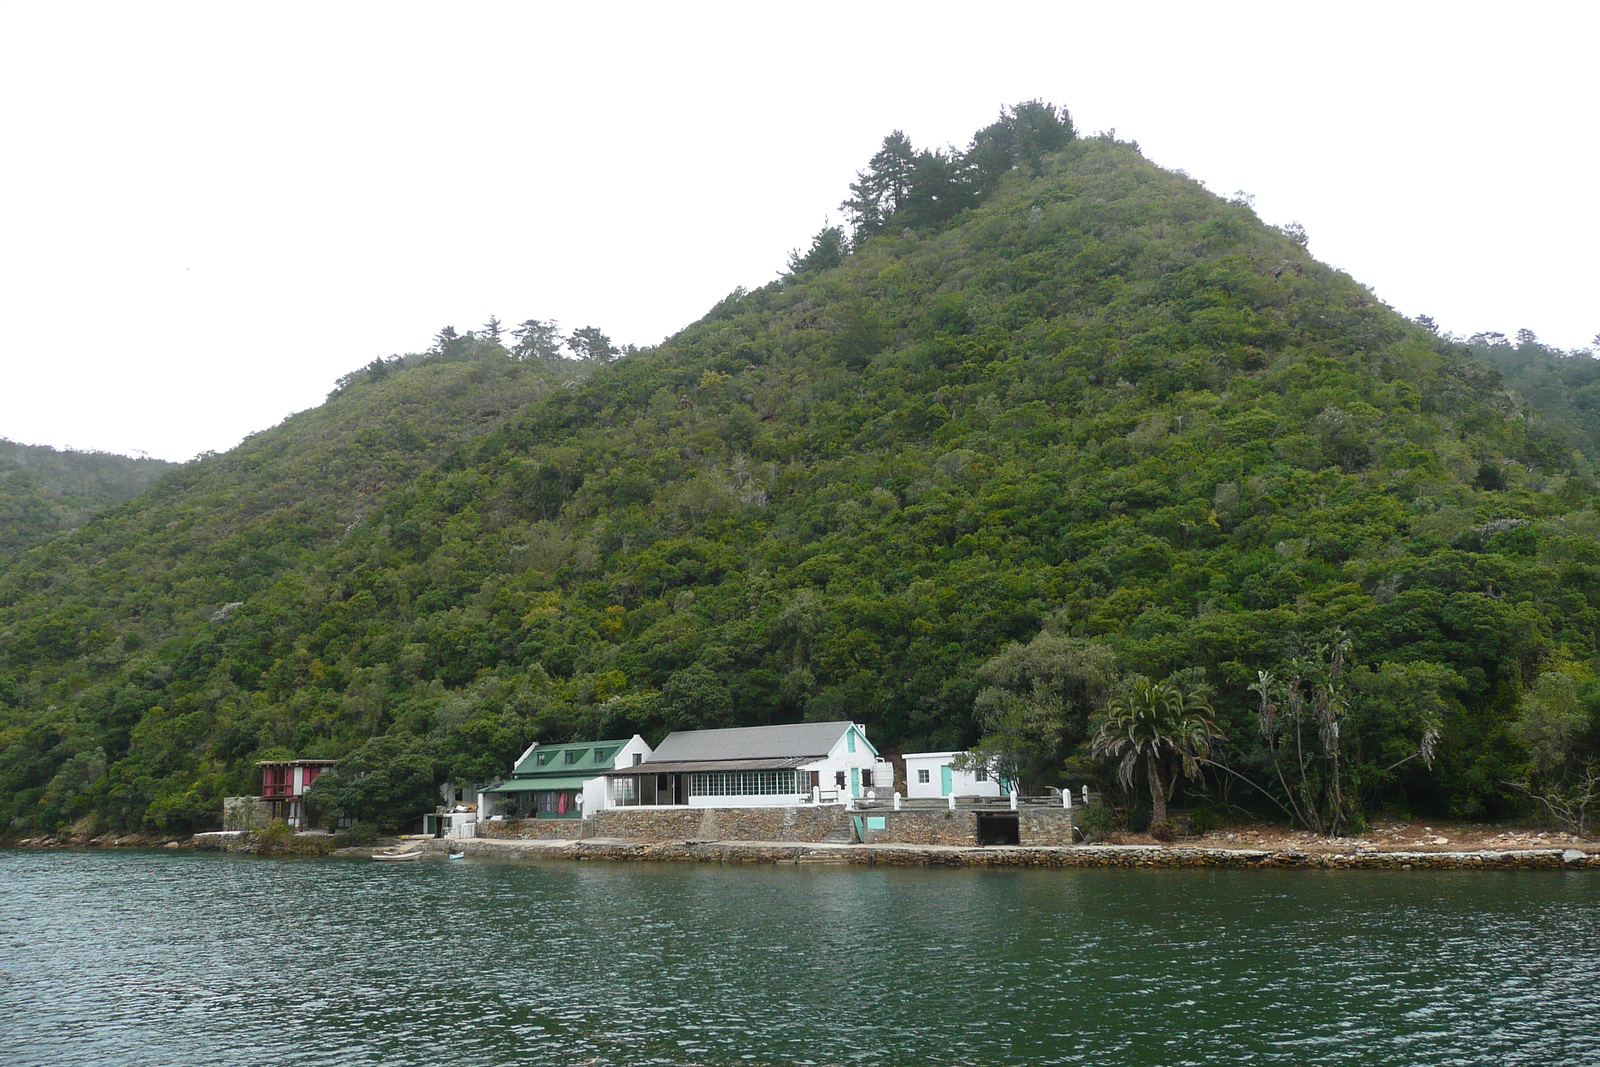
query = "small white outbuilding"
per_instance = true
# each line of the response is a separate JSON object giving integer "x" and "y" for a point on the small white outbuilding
{"x": 929, "y": 774}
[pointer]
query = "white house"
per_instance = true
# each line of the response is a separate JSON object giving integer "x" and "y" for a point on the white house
{"x": 754, "y": 766}
{"x": 929, "y": 774}
{"x": 560, "y": 781}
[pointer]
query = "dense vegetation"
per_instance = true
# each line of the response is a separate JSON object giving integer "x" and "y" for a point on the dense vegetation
{"x": 45, "y": 492}
{"x": 1562, "y": 387}
{"x": 966, "y": 476}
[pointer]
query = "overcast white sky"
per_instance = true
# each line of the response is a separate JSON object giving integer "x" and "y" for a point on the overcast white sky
{"x": 208, "y": 212}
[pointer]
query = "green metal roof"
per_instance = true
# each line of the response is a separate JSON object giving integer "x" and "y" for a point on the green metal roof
{"x": 529, "y": 785}
{"x": 554, "y": 759}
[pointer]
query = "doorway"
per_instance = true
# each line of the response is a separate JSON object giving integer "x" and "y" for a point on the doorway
{"x": 998, "y": 829}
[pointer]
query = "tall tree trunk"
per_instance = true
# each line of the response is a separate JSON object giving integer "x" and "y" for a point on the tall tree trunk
{"x": 1158, "y": 794}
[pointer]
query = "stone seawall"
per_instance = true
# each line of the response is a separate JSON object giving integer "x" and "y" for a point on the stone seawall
{"x": 722, "y": 824}
{"x": 532, "y": 829}
{"x": 1036, "y": 825}
{"x": 1020, "y": 856}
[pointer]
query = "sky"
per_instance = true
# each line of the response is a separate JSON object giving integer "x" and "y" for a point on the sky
{"x": 209, "y": 212}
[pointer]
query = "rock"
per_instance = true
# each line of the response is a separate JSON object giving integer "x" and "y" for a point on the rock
{"x": 1572, "y": 857}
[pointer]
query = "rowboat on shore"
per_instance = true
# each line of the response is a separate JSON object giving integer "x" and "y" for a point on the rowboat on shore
{"x": 414, "y": 854}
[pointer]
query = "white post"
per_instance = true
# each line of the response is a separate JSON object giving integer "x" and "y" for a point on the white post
{"x": 1066, "y": 798}
{"x": 952, "y": 802}
{"x": 897, "y": 800}
{"x": 1013, "y": 800}
{"x": 816, "y": 794}
{"x": 1086, "y": 795}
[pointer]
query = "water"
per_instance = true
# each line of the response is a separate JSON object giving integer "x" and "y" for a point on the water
{"x": 135, "y": 958}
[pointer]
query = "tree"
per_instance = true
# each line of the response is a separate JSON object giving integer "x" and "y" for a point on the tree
{"x": 1561, "y": 775}
{"x": 696, "y": 698}
{"x": 588, "y": 343}
{"x": 537, "y": 339}
{"x": 1163, "y": 728}
{"x": 1304, "y": 721}
{"x": 1021, "y": 137}
{"x": 389, "y": 780}
{"x": 938, "y": 191}
{"x": 828, "y": 249}
{"x": 879, "y": 190}
{"x": 491, "y": 330}
{"x": 447, "y": 342}
{"x": 1035, "y": 705}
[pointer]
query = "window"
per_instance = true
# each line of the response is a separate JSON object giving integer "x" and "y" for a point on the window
{"x": 638, "y": 758}
{"x": 574, "y": 755}
{"x": 981, "y": 774}
{"x": 850, "y": 739}
{"x": 744, "y": 783}
{"x": 546, "y": 757}
{"x": 922, "y": 776}
{"x": 866, "y": 778}
{"x": 622, "y": 789}
{"x": 602, "y": 754}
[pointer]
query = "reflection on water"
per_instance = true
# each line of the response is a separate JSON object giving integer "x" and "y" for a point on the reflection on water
{"x": 133, "y": 958}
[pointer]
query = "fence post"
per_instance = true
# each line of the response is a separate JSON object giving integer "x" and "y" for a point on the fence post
{"x": 1013, "y": 801}
{"x": 897, "y": 800}
{"x": 952, "y": 802}
{"x": 1066, "y": 797}
{"x": 816, "y": 794}
{"x": 1086, "y": 796}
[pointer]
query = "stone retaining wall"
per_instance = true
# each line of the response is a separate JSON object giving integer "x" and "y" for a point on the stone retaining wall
{"x": 721, "y": 824}
{"x": 1081, "y": 856}
{"x": 940, "y": 826}
{"x": 532, "y": 829}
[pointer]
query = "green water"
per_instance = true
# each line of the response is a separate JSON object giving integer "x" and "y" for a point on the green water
{"x": 134, "y": 958}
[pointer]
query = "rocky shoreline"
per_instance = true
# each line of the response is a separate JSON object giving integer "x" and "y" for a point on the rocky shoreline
{"x": 1365, "y": 857}
{"x": 1020, "y": 855}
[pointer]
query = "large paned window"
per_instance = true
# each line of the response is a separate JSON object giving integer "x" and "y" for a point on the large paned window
{"x": 744, "y": 783}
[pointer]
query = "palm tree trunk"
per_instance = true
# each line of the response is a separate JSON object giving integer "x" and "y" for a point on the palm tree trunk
{"x": 1158, "y": 795}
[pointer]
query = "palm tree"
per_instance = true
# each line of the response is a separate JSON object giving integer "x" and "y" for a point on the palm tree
{"x": 1163, "y": 726}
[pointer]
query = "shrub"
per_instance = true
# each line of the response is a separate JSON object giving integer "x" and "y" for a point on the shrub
{"x": 1098, "y": 822}
{"x": 1164, "y": 831}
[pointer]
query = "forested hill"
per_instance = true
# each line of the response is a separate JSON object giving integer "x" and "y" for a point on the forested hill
{"x": 1085, "y": 406}
{"x": 45, "y": 492}
{"x": 1563, "y": 388}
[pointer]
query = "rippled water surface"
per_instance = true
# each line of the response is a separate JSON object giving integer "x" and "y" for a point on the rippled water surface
{"x": 153, "y": 958}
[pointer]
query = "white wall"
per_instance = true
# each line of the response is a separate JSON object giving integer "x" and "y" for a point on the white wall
{"x": 962, "y": 783}
{"x": 864, "y": 758}
{"x": 624, "y": 756}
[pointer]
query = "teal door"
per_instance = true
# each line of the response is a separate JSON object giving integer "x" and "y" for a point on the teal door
{"x": 855, "y": 781}
{"x": 944, "y": 780}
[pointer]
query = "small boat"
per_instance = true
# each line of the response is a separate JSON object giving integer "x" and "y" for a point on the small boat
{"x": 414, "y": 854}
{"x": 458, "y": 855}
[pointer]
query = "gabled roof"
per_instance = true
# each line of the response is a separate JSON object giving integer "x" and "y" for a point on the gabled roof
{"x": 806, "y": 739}
{"x": 565, "y": 761}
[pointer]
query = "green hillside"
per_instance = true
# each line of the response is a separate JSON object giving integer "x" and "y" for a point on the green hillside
{"x": 1562, "y": 388}
{"x": 45, "y": 492}
{"x": 97, "y": 628}
{"x": 1073, "y": 418}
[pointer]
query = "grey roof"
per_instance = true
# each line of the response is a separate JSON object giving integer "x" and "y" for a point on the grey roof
{"x": 814, "y": 739}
